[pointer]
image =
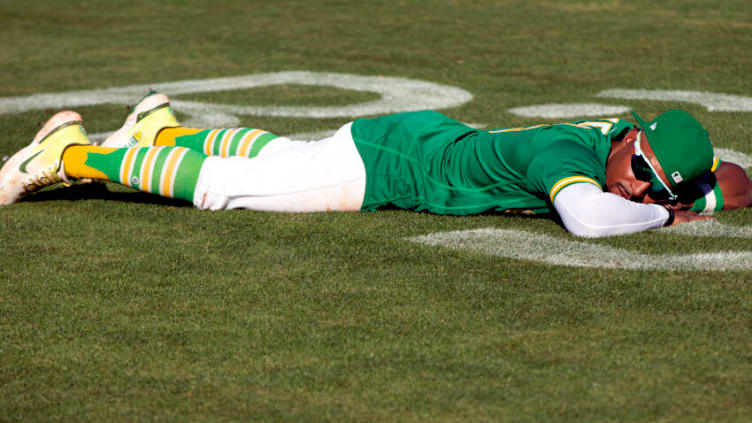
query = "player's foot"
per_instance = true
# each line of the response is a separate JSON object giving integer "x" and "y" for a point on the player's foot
{"x": 142, "y": 125}
{"x": 40, "y": 164}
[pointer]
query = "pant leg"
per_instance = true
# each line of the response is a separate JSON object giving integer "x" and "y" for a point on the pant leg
{"x": 301, "y": 177}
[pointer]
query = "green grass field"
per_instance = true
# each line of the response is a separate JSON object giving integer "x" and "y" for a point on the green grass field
{"x": 121, "y": 306}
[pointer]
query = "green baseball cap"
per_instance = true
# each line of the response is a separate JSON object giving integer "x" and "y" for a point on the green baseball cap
{"x": 680, "y": 144}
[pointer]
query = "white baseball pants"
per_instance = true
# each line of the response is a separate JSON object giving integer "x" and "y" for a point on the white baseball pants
{"x": 287, "y": 175}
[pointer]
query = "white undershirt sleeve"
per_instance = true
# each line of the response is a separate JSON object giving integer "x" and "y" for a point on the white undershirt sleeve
{"x": 587, "y": 211}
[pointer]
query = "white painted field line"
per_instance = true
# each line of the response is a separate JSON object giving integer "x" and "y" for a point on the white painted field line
{"x": 710, "y": 228}
{"x": 524, "y": 245}
{"x": 733, "y": 156}
{"x": 569, "y": 110}
{"x": 395, "y": 95}
{"x": 713, "y": 102}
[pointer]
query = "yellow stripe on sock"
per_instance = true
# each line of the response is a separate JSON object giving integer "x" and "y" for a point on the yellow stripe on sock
{"x": 127, "y": 166}
{"x": 245, "y": 146}
{"x": 224, "y": 147}
{"x": 148, "y": 167}
{"x": 209, "y": 142}
{"x": 170, "y": 170}
{"x": 248, "y": 135}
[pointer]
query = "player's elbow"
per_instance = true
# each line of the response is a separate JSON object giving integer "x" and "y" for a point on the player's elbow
{"x": 735, "y": 185}
{"x": 586, "y": 231}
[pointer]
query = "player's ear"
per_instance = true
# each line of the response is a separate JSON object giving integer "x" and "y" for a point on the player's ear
{"x": 628, "y": 135}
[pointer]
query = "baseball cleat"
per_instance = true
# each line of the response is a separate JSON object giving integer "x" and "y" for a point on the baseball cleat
{"x": 142, "y": 125}
{"x": 40, "y": 163}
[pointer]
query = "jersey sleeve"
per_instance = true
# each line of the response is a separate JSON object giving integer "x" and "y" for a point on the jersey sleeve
{"x": 612, "y": 216}
{"x": 704, "y": 193}
{"x": 562, "y": 164}
{"x": 620, "y": 127}
{"x": 716, "y": 163}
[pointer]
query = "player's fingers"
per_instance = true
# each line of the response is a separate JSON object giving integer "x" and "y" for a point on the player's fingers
{"x": 703, "y": 217}
{"x": 682, "y": 216}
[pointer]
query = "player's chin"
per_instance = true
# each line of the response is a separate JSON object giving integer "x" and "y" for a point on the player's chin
{"x": 660, "y": 201}
{"x": 647, "y": 199}
{"x": 675, "y": 205}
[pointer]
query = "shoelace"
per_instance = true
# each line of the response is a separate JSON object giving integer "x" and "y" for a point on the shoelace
{"x": 46, "y": 177}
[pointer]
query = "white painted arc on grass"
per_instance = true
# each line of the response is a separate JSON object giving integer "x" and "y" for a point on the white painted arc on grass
{"x": 524, "y": 245}
{"x": 710, "y": 229}
{"x": 733, "y": 156}
{"x": 569, "y": 110}
{"x": 397, "y": 95}
{"x": 713, "y": 102}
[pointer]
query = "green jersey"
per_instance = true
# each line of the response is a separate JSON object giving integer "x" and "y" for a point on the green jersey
{"x": 427, "y": 161}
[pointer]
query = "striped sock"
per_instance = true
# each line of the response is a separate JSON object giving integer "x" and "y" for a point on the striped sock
{"x": 244, "y": 142}
{"x": 166, "y": 171}
{"x": 166, "y": 136}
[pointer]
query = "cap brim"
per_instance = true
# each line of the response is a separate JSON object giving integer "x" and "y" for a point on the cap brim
{"x": 640, "y": 122}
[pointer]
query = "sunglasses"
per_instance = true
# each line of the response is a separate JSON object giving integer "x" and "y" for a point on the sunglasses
{"x": 644, "y": 171}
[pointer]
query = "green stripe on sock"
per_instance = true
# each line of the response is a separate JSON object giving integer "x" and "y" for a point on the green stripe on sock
{"x": 187, "y": 175}
{"x": 135, "y": 176}
{"x": 260, "y": 143}
{"x": 193, "y": 141}
{"x": 218, "y": 142}
{"x": 236, "y": 141}
{"x": 159, "y": 163}
{"x": 107, "y": 163}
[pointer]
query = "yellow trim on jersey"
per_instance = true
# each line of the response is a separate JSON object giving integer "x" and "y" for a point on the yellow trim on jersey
{"x": 522, "y": 128}
{"x": 604, "y": 125}
{"x": 569, "y": 181}
{"x": 716, "y": 163}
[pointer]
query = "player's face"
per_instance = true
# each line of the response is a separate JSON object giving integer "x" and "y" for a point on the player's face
{"x": 628, "y": 173}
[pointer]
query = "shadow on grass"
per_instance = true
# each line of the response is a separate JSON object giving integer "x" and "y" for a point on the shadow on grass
{"x": 114, "y": 192}
{"x": 100, "y": 191}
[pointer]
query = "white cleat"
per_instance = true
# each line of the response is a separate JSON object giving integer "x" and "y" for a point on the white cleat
{"x": 148, "y": 117}
{"x": 40, "y": 163}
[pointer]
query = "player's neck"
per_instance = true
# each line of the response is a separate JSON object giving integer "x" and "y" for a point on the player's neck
{"x": 622, "y": 142}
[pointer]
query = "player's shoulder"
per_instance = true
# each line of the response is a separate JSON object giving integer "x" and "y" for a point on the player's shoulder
{"x": 611, "y": 127}
{"x": 558, "y": 149}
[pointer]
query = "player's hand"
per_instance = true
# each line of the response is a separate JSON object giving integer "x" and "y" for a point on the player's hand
{"x": 673, "y": 205}
{"x": 684, "y": 216}
{"x": 678, "y": 205}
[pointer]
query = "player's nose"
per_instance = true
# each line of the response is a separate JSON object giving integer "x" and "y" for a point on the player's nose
{"x": 639, "y": 188}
